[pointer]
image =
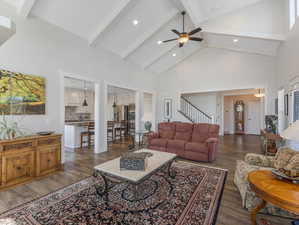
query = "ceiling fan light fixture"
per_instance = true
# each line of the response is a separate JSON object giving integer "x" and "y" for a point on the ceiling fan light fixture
{"x": 184, "y": 39}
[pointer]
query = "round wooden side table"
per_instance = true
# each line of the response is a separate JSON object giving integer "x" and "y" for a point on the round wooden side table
{"x": 282, "y": 194}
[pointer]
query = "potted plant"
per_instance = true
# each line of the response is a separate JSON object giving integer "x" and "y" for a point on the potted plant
{"x": 9, "y": 129}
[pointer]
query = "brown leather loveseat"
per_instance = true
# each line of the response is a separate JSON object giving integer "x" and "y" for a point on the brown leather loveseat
{"x": 197, "y": 142}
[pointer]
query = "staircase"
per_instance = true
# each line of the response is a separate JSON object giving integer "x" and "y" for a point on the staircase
{"x": 193, "y": 113}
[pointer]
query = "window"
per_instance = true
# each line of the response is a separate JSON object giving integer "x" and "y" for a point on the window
{"x": 295, "y": 106}
{"x": 293, "y": 12}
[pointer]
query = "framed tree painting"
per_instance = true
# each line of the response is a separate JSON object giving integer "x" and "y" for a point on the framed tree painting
{"x": 167, "y": 108}
{"x": 21, "y": 94}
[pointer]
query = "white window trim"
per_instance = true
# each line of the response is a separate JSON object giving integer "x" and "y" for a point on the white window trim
{"x": 293, "y": 12}
{"x": 292, "y": 108}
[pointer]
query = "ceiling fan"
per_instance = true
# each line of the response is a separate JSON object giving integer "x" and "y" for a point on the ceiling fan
{"x": 184, "y": 37}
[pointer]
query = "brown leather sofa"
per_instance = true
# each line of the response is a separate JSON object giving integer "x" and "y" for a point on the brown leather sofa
{"x": 197, "y": 142}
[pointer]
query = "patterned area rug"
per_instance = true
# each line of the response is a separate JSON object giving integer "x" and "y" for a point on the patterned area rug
{"x": 193, "y": 197}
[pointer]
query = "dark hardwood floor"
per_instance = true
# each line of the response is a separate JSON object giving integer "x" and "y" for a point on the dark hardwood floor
{"x": 79, "y": 165}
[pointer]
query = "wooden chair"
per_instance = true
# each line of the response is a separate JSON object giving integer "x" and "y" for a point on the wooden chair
{"x": 270, "y": 142}
{"x": 131, "y": 126}
{"x": 110, "y": 131}
{"x": 117, "y": 131}
{"x": 89, "y": 134}
{"x": 123, "y": 128}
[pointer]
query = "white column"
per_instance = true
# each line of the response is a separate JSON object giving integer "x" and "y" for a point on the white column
{"x": 62, "y": 116}
{"x": 100, "y": 118}
{"x": 154, "y": 111}
{"x": 139, "y": 108}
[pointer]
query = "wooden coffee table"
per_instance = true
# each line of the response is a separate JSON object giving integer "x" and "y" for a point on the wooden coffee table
{"x": 110, "y": 172}
{"x": 282, "y": 194}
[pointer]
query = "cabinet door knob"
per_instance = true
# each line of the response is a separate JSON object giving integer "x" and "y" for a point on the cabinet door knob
{"x": 18, "y": 168}
{"x": 49, "y": 160}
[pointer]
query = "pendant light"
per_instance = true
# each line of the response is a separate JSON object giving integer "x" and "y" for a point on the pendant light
{"x": 85, "y": 101}
{"x": 114, "y": 103}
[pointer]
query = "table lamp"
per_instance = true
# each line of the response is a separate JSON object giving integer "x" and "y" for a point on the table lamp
{"x": 292, "y": 134}
{"x": 147, "y": 117}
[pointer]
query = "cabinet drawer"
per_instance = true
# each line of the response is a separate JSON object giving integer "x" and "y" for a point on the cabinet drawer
{"x": 48, "y": 159}
{"x": 17, "y": 168}
{"x": 49, "y": 141}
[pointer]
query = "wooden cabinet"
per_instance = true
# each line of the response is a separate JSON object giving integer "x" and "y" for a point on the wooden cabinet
{"x": 48, "y": 156}
{"x": 24, "y": 159}
{"x": 17, "y": 167}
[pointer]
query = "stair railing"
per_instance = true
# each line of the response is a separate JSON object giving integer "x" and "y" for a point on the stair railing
{"x": 193, "y": 113}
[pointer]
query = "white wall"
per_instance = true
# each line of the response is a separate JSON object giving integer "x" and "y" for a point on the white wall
{"x": 212, "y": 70}
{"x": 206, "y": 102}
{"x": 287, "y": 66}
{"x": 287, "y": 60}
{"x": 266, "y": 16}
{"x": 42, "y": 49}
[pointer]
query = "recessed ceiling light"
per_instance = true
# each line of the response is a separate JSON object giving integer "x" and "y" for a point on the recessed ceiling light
{"x": 174, "y": 54}
{"x": 135, "y": 22}
{"x": 236, "y": 40}
{"x": 159, "y": 42}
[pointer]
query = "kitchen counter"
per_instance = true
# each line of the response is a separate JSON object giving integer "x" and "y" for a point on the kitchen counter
{"x": 72, "y": 133}
{"x": 78, "y": 123}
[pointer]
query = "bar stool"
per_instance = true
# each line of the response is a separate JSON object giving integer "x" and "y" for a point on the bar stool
{"x": 89, "y": 134}
{"x": 110, "y": 131}
{"x": 117, "y": 131}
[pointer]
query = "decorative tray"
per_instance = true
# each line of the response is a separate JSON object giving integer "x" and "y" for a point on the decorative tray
{"x": 45, "y": 133}
{"x": 281, "y": 176}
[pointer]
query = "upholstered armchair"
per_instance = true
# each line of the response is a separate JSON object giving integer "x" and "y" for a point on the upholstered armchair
{"x": 251, "y": 163}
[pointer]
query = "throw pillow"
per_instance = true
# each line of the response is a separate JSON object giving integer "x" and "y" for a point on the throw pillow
{"x": 292, "y": 168}
{"x": 283, "y": 157}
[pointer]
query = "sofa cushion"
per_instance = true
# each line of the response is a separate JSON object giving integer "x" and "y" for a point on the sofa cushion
{"x": 167, "y": 130}
{"x": 203, "y": 131}
{"x": 197, "y": 147}
{"x": 176, "y": 144}
{"x": 159, "y": 142}
{"x": 183, "y": 131}
{"x": 196, "y": 156}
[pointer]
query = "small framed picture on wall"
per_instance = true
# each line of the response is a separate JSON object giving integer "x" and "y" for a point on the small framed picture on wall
{"x": 167, "y": 108}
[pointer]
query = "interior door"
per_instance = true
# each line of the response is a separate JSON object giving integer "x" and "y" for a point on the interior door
{"x": 253, "y": 117}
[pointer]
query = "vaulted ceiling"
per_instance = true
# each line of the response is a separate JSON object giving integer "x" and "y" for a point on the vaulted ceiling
{"x": 228, "y": 24}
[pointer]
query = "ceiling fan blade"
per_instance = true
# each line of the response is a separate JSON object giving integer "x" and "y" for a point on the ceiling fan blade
{"x": 195, "y": 39}
{"x": 181, "y": 45}
{"x": 195, "y": 31}
{"x": 170, "y": 40}
{"x": 176, "y": 32}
